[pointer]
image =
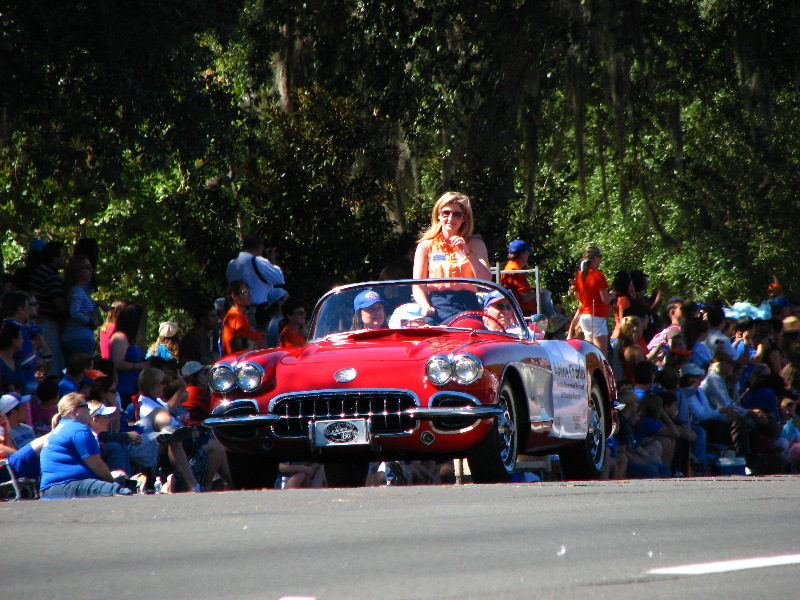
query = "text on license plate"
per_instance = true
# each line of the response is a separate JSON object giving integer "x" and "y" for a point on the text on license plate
{"x": 339, "y": 432}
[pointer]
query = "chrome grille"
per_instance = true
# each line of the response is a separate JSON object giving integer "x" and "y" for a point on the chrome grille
{"x": 382, "y": 408}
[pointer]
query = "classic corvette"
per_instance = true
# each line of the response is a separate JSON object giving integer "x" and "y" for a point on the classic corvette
{"x": 479, "y": 385}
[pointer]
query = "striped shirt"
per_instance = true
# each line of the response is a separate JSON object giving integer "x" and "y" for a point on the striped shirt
{"x": 81, "y": 308}
{"x": 47, "y": 286}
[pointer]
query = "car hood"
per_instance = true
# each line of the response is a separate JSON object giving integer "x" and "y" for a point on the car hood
{"x": 378, "y": 346}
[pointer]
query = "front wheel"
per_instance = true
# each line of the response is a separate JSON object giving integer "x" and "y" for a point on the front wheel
{"x": 587, "y": 460}
{"x": 493, "y": 459}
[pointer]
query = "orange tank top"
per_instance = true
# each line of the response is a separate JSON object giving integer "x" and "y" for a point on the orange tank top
{"x": 445, "y": 260}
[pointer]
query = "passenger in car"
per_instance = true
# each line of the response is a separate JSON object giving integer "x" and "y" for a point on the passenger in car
{"x": 407, "y": 316}
{"x": 449, "y": 249}
{"x": 369, "y": 311}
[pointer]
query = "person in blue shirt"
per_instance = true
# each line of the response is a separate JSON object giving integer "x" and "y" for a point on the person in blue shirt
{"x": 74, "y": 377}
{"x": 71, "y": 466}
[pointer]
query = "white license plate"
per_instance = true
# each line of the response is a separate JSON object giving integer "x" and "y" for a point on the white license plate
{"x": 340, "y": 432}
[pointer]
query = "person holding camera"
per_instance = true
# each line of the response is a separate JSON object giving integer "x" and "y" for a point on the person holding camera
{"x": 260, "y": 274}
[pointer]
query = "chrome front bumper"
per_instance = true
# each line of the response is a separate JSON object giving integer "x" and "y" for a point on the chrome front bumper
{"x": 419, "y": 413}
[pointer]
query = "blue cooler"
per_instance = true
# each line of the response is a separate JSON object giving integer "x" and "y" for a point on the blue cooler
{"x": 731, "y": 466}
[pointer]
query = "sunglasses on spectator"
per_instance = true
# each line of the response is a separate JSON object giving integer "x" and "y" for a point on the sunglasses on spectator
{"x": 299, "y": 311}
{"x": 456, "y": 214}
{"x": 244, "y": 292}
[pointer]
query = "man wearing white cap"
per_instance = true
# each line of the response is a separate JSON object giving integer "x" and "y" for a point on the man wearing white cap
{"x": 13, "y": 407}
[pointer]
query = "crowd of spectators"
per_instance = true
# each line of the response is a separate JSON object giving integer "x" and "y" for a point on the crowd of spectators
{"x": 78, "y": 380}
{"x": 696, "y": 386}
{"x": 703, "y": 388}
{"x": 86, "y": 404}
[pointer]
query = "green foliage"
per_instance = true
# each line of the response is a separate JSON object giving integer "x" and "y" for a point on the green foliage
{"x": 664, "y": 132}
{"x": 316, "y": 183}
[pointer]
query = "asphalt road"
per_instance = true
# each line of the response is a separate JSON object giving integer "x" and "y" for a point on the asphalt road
{"x": 542, "y": 540}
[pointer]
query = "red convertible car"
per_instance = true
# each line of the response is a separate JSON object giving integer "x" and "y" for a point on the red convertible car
{"x": 377, "y": 380}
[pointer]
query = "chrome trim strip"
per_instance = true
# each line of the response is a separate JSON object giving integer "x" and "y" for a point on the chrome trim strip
{"x": 243, "y": 357}
{"x": 468, "y": 397}
{"x": 471, "y": 400}
{"x": 241, "y": 421}
{"x": 437, "y": 412}
{"x": 228, "y": 405}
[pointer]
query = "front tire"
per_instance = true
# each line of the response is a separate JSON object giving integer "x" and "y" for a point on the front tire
{"x": 588, "y": 459}
{"x": 493, "y": 459}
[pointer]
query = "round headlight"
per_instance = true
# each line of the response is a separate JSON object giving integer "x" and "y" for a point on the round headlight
{"x": 467, "y": 369}
{"x": 248, "y": 377}
{"x": 221, "y": 379}
{"x": 439, "y": 370}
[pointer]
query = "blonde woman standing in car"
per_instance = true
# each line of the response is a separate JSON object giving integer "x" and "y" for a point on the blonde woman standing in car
{"x": 449, "y": 249}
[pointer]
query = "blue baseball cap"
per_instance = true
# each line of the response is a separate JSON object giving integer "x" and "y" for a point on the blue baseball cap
{"x": 366, "y": 299}
{"x": 491, "y": 298}
{"x": 519, "y": 246}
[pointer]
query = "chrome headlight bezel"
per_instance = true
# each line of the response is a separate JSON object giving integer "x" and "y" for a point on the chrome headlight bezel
{"x": 222, "y": 378}
{"x": 439, "y": 369}
{"x": 467, "y": 369}
{"x": 249, "y": 376}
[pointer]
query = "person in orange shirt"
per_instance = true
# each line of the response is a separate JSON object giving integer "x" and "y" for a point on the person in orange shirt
{"x": 235, "y": 323}
{"x": 294, "y": 331}
{"x": 591, "y": 290}
{"x": 518, "y": 254}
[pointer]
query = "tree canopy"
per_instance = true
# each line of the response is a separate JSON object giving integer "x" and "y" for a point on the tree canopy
{"x": 664, "y": 131}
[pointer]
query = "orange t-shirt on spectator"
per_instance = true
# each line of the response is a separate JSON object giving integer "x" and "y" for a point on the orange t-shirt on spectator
{"x": 622, "y": 303}
{"x": 290, "y": 338}
{"x": 519, "y": 284}
{"x": 234, "y": 325}
{"x": 589, "y": 293}
{"x": 198, "y": 403}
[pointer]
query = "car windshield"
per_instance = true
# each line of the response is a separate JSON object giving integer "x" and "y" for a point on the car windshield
{"x": 390, "y": 305}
